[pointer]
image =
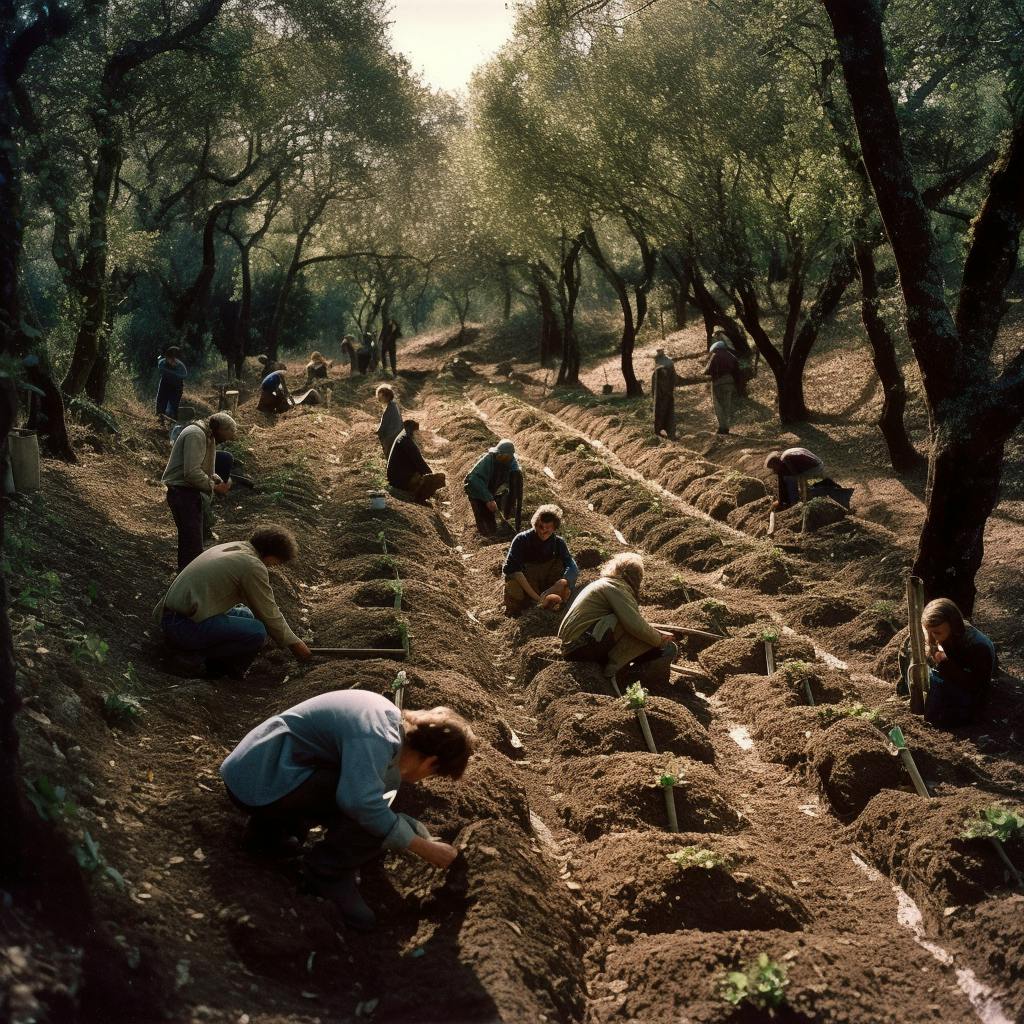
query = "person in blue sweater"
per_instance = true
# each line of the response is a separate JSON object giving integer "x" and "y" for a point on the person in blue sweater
{"x": 172, "y": 382}
{"x": 493, "y": 485}
{"x": 538, "y": 568}
{"x": 963, "y": 660}
{"x": 274, "y": 394}
{"x": 334, "y": 760}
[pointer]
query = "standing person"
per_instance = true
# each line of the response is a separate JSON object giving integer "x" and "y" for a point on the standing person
{"x": 221, "y": 607}
{"x": 348, "y": 346}
{"x": 172, "y": 382}
{"x": 963, "y": 660}
{"x": 190, "y": 476}
{"x": 794, "y": 468}
{"x": 330, "y": 761}
{"x": 495, "y": 482}
{"x": 663, "y": 388}
{"x": 391, "y": 424}
{"x": 374, "y": 347}
{"x": 538, "y": 568}
{"x": 389, "y": 335}
{"x": 605, "y": 623}
{"x": 316, "y": 369}
{"x": 408, "y": 470}
{"x": 724, "y": 370}
{"x": 274, "y": 393}
{"x": 365, "y": 352}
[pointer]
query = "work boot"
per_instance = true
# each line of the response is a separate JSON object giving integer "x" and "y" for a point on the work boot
{"x": 344, "y": 893}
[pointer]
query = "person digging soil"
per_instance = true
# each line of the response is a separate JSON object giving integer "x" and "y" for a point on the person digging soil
{"x": 538, "y": 568}
{"x": 605, "y": 623}
{"x": 329, "y": 761}
{"x": 495, "y": 486}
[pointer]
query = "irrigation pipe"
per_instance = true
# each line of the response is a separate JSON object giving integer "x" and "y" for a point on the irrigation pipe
{"x": 769, "y": 657}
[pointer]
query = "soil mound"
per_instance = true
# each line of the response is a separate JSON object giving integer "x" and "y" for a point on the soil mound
{"x": 564, "y": 678}
{"x": 588, "y": 724}
{"x": 854, "y": 763}
{"x": 823, "y": 610}
{"x": 608, "y": 793}
{"x": 642, "y": 890}
{"x": 742, "y": 655}
{"x": 767, "y": 573}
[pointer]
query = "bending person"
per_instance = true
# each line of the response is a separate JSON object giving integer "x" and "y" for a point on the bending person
{"x": 605, "y": 624}
{"x": 795, "y": 468}
{"x": 274, "y": 394}
{"x": 963, "y": 661}
{"x": 221, "y": 606}
{"x": 317, "y": 369}
{"x": 538, "y": 568}
{"x": 329, "y": 761}
{"x": 724, "y": 370}
{"x": 391, "y": 424}
{"x": 495, "y": 483}
{"x": 408, "y": 470}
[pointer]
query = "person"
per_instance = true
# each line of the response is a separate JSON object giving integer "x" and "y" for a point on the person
{"x": 330, "y": 761}
{"x": 538, "y": 568}
{"x": 663, "y": 388}
{"x": 348, "y": 346}
{"x": 963, "y": 660}
{"x": 371, "y": 341}
{"x": 724, "y": 370}
{"x": 190, "y": 475}
{"x": 172, "y": 382}
{"x": 389, "y": 335}
{"x": 794, "y": 468}
{"x": 408, "y": 470}
{"x": 274, "y": 394}
{"x": 316, "y": 369}
{"x": 364, "y": 352}
{"x": 221, "y": 607}
{"x": 224, "y": 468}
{"x": 390, "y": 425}
{"x": 495, "y": 483}
{"x": 605, "y": 624}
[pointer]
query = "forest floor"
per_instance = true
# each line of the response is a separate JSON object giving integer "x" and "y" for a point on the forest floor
{"x": 565, "y": 905}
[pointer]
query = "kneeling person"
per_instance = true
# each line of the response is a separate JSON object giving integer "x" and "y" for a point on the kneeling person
{"x": 221, "y": 606}
{"x": 605, "y": 623}
{"x": 330, "y": 760}
{"x": 538, "y": 568}
{"x": 408, "y": 470}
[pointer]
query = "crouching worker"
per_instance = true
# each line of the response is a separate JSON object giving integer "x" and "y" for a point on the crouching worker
{"x": 221, "y": 607}
{"x": 538, "y": 568}
{"x": 330, "y": 761}
{"x": 274, "y": 393}
{"x": 963, "y": 660}
{"x": 408, "y": 470}
{"x": 605, "y": 625}
{"x": 493, "y": 485}
{"x": 795, "y": 468}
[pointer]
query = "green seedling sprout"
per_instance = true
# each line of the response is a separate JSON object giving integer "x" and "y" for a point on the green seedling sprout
{"x": 697, "y": 857}
{"x": 762, "y": 984}
{"x": 400, "y": 681}
{"x": 89, "y": 649}
{"x": 635, "y": 697}
{"x": 51, "y": 802}
{"x": 714, "y": 610}
{"x": 119, "y": 705}
{"x": 995, "y": 822}
{"x": 830, "y": 713}
{"x": 770, "y": 636}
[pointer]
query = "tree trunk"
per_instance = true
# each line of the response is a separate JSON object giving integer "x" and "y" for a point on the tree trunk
{"x": 96, "y": 383}
{"x": 902, "y": 454}
{"x": 568, "y": 292}
{"x": 713, "y": 313}
{"x": 550, "y": 336}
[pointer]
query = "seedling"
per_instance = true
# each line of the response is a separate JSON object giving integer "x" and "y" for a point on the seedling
{"x": 42, "y": 587}
{"x": 51, "y": 802}
{"x": 770, "y": 636}
{"x": 118, "y": 704}
{"x": 89, "y": 858}
{"x": 762, "y": 984}
{"x": 830, "y": 713}
{"x": 697, "y": 857}
{"x": 888, "y": 610}
{"x": 713, "y": 611}
{"x": 635, "y": 697}
{"x": 669, "y": 779}
{"x": 383, "y": 540}
{"x": 89, "y": 649}
{"x": 400, "y": 681}
{"x": 798, "y": 673}
{"x": 403, "y": 636}
{"x": 995, "y": 822}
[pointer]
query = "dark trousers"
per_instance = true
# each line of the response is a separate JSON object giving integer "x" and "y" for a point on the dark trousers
{"x": 346, "y": 844}
{"x": 363, "y": 361}
{"x": 228, "y": 642}
{"x": 510, "y": 503}
{"x": 948, "y": 705}
{"x": 387, "y": 354}
{"x": 187, "y": 508}
{"x": 168, "y": 397}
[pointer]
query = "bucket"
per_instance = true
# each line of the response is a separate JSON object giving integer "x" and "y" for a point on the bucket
{"x": 23, "y": 449}
{"x": 607, "y": 389}
{"x": 378, "y": 500}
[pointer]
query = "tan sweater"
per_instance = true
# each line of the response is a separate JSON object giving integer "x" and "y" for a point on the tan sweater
{"x": 192, "y": 458}
{"x": 599, "y": 606}
{"x": 220, "y": 578}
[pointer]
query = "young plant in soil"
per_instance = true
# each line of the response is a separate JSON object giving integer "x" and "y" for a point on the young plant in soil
{"x": 121, "y": 706}
{"x": 697, "y": 857}
{"x": 88, "y": 649}
{"x": 829, "y": 713}
{"x": 799, "y": 673}
{"x": 668, "y": 782}
{"x": 998, "y": 825}
{"x": 762, "y": 984}
{"x": 713, "y": 611}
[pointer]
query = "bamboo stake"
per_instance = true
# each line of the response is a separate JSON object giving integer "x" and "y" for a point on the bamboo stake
{"x": 690, "y": 673}
{"x": 898, "y": 740}
{"x": 807, "y": 690}
{"x": 802, "y": 488}
{"x": 670, "y": 808}
{"x": 687, "y": 631}
{"x": 645, "y": 728}
{"x": 769, "y": 656}
{"x": 917, "y": 673}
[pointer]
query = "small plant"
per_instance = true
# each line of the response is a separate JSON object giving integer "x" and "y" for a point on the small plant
{"x": 89, "y": 858}
{"x": 670, "y": 778}
{"x": 709, "y": 606}
{"x": 697, "y": 857}
{"x": 51, "y": 802}
{"x": 635, "y": 697}
{"x": 796, "y": 671}
{"x": 36, "y": 588}
{"x": 383, "y": 541}
{"x": 995, "y": 822}
{"x": 770, "y": 636}
{"x": 772, "y": 554}
{"x": 92, "y": 592}
{"x": 89, "y": 649}
{"x": 400, "y": 682}
{"x": 829, "y": 713}
{"x": 762, "y": 984}
{"x": 119, "y": 705}
{"x": 888, "y": 610}
{"x": 403, "y": 635}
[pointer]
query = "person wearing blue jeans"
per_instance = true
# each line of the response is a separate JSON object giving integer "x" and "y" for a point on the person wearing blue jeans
{"x": 172, "y": 382}
{"x": 221, "y": 606}
{"x": 538, "y": 568}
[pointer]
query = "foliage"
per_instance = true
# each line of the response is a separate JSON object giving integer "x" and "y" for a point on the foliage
{"x": 762, "y": 984}
{"x": 795, "y": 671}
{"x": 697, "y": 857}
{"x": 120, "y": 705}
{"x": 88, "y": 649}
{"x": 51, "y": 802}
{"x": 829, "y": 713}
{"x": 770, "y": 635}
{"x": 995, "y": 822}
{"x": 35, "y": 588}
{"x": 635, "y": 697}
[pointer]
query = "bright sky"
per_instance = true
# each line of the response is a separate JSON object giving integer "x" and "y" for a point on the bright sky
{"x": 446, "y": 39}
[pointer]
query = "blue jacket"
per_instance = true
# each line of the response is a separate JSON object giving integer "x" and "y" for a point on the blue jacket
{"x": 488, "y": 475}
{"x": 528, "y": 549}
{"x": 171, "y": 374}
{"x": 272, "y": 381}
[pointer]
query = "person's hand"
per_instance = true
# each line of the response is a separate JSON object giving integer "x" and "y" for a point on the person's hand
{"x": 939, "y": 657}
{"x": 552, "y": 602}
{"x": 301, "y": 651}
{"x": 433, "y": 851}
{"x": 776, "y": 505}
{"x": 492, "y": 506}
{"x": 222, "y": 487}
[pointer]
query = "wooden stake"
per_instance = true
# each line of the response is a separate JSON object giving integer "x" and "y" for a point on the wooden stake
{"x": 896, "y": 735}
{"x": 670, "y": 808}
{"x": 917, "y": 673}
{"x": 645, "y": 728}
{"x": 690, "y": 673}
{"x": 686, "y": 631}
{"x": 769, "y": 656}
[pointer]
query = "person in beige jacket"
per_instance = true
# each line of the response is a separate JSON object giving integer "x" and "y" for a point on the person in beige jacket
{"x": 605, "y": 624}
{"x": 221, "y": 606}
{"x": 189, "y": 477}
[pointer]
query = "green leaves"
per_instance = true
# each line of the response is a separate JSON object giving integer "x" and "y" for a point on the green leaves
{"x": 995, "y": 822}
{"x": 762, "y": 984}
{"x": 635, "y": 697}
{"x": 697, "y": 857}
